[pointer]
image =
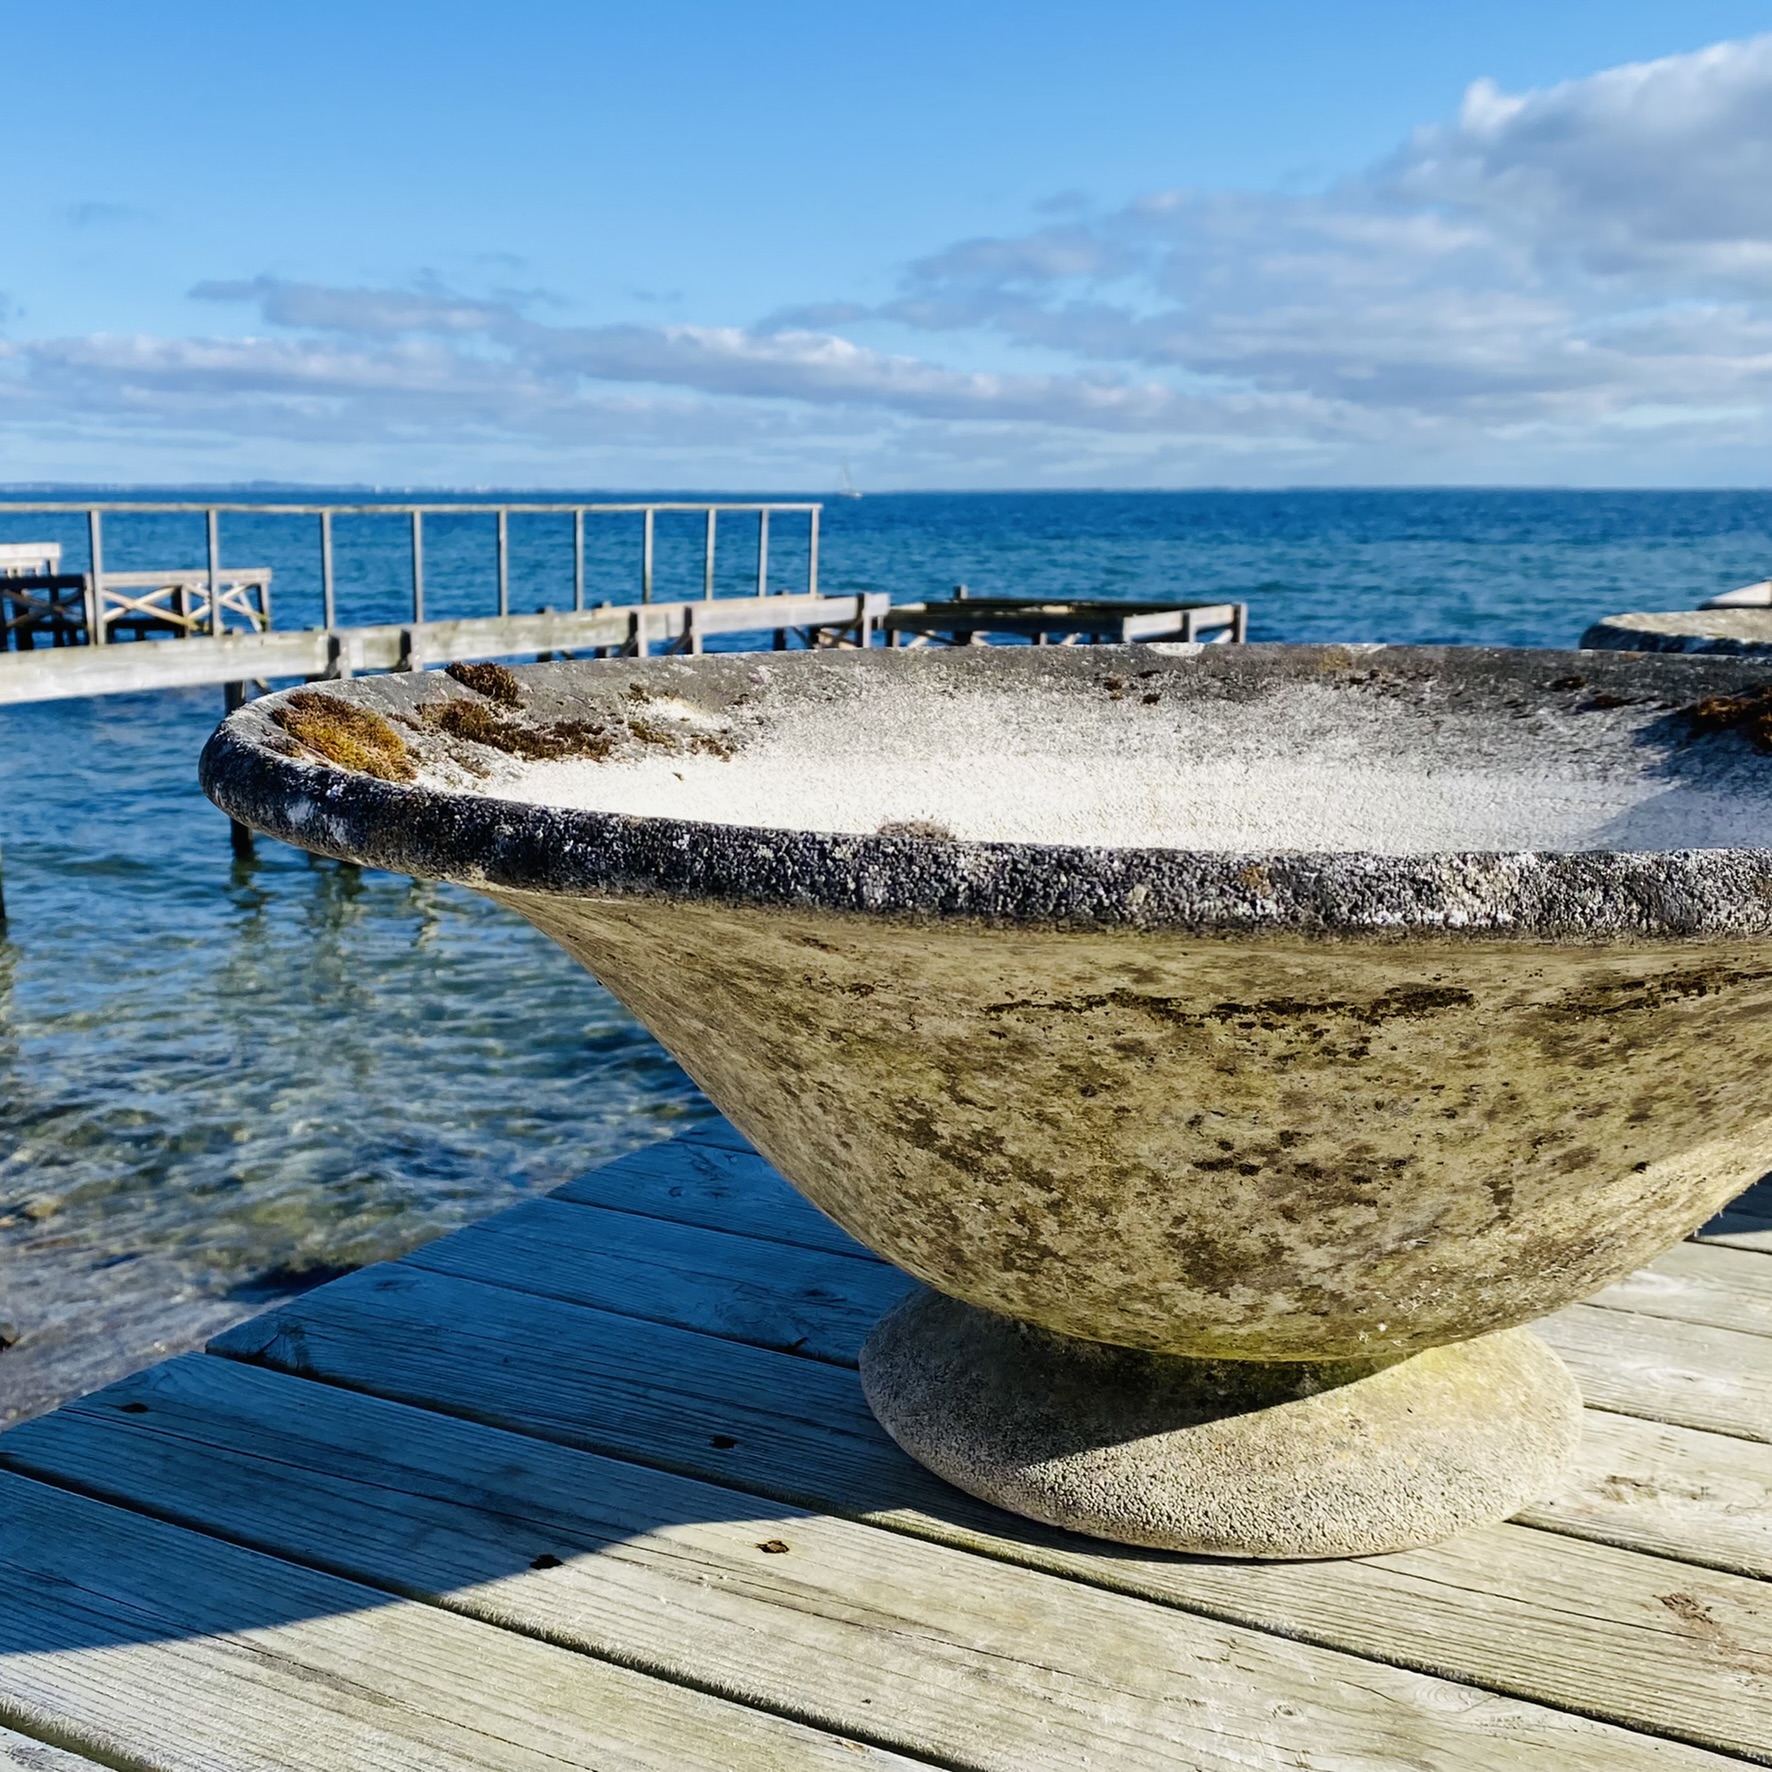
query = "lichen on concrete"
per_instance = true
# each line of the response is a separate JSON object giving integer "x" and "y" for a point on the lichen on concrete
{"x": 1749, "y": 712}
{"x": 344, "y": 733}
{"x": 498, "y": 683}
{"x": 1272, "y": 1148}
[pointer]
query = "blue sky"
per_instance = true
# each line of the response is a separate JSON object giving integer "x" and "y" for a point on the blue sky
{"x": 685, "y": 245}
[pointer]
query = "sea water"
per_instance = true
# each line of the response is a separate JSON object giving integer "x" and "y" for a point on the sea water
{"x": 222, "y": 1080}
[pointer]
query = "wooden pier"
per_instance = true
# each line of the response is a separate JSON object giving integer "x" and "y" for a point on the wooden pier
{"x": 64, "y": 609}
{"x": 625, "y": 629}
{"x": 592, "y": 1484}
{"x": 965, "y": 620}
{"x": 58, "y": 629}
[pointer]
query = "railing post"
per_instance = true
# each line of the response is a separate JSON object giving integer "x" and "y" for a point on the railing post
{"x": 707, "y": 562}
{"x": 327, "y": 613}
{"x": 504, "y": 562}
{"x": 95, "y": 595}
{"x": 646, "y": 560}
{"x": 763, "y": 552}
{"x": 213, "y": 528}
{"x": 418, "y": 565}
{"x": 812, "y": 553}
{"x": 578, "y": 559}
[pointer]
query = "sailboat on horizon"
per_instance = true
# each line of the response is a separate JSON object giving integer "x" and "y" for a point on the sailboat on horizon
{"x": 848, "y": 489}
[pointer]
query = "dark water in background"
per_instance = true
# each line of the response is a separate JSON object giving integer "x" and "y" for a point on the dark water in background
{"x": 219, "y": 1080}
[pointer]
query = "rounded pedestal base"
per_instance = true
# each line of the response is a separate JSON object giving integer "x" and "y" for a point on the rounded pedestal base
{"x": 1227, "y": 1458}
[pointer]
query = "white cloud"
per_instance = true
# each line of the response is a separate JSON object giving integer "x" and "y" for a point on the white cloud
{"x": 1662, "y": 167}
{"x": 1572, "y": 283}
{"x": 1555, "y": 264}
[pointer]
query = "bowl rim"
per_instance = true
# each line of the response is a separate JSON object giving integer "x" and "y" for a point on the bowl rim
{"x": 509, "y": 846}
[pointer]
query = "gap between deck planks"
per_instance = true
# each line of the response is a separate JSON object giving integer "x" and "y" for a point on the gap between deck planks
{"x": 149, "y": 1646}
{"x": 19, "y": 1753}
{"x": 971, "y": 1662}
{"x": 1518, "y": 1590}
{"x": 1680, "y": 1654}
{"x": 1687, "y": 1346}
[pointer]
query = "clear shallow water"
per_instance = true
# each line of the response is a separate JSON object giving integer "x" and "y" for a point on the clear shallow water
{"x": 219, "y": 1080}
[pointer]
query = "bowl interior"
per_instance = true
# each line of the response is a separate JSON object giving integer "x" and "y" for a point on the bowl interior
{"x": 1382, "y": 750}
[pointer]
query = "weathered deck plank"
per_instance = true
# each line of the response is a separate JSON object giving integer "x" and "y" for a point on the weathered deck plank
{"x": 571, "y": 1433}
{"x": 1699, "y": 1283}
{"x": 1663, "y": 1370}
{"x": 815, "y": 1303}
{"x": 1673, "y": 1491}
{"x": 148, "y": 1645}
{"x": 715, "y": 1185}
{"x": 1640, "y": 1486}
{"x": 939, "y": 1652}
{"x": 1501, "y": 1608}
{"x": 20, "y": 1753}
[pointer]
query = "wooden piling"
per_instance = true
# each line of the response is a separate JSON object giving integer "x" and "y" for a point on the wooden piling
{"x": 234, "y": 697}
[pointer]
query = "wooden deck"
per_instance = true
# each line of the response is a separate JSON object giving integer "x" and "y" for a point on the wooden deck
{"x": 592, "y": 1485}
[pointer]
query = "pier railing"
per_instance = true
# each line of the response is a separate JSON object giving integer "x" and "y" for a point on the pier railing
{"x": 216, "y": 580}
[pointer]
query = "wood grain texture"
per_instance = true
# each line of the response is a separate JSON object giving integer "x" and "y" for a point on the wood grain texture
{"x": 720, "y": 1132}
{"x": 716, "y": 1186}
{"x": 20, "y": 1753}
{"x": 814, "y": 1303}
{"x": 594, "y": 1484}
{"x": 1690, "y": 1374}
{"x": 1702, "y": 1498}
{"x": 1699, "y": 1283}
{"x": 150, "y": 1646}
{"x": 1695, "y": 1497}
{"x": 1519, "y": 1610}
{"x": 939, "y": 1652}
{"x": 624, "y": 1385}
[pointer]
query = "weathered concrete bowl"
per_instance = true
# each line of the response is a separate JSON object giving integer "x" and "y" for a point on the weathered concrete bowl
{"x": 1284, "y": 1005}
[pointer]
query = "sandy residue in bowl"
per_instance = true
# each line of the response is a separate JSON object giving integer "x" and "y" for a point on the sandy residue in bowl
{"x": 1303, "y": 767}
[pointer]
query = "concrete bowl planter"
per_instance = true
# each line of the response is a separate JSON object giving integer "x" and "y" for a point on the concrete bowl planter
{"x": 1240, "y": 1043}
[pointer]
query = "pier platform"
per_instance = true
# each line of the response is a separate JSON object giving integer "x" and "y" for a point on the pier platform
{"x": 592, "y": 1484}
{"x": 1746, "y": 631}
{"x": 629, "y": 629}
{"x": 965, "y": 620}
